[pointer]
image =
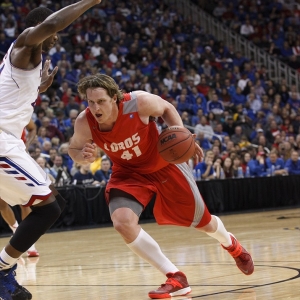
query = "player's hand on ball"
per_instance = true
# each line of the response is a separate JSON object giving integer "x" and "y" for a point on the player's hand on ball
{"x": 89, "y": 151}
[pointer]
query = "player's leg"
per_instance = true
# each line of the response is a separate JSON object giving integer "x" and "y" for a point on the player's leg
{"x": 32, "y": 251}
{"x": 201, "y": 218}
{"x": 23, "y": 183}
{"x": 8, "y": 215}
{"x": 125, "y": 211}
{"x": 216, "y": 229}
{"x": 29, "y": 231}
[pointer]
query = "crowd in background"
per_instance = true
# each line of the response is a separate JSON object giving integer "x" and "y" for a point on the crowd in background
{"x": 269, "y": 24}
{"x": 247, "y": 124}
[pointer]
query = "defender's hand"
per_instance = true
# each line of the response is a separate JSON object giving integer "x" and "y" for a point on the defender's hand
{"x": 47, "y": 78}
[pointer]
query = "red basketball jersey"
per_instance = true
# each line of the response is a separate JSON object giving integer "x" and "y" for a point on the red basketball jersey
{"x": 131, "y": 144}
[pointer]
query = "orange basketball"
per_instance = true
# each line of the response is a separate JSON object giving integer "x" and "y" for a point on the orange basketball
{"x": 176, "y": 144}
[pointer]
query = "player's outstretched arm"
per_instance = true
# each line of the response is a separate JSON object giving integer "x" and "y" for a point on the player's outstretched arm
{"x": 155, "y": 106}
{"x": 57, "y": 22}
{"x": 82, "y": 149}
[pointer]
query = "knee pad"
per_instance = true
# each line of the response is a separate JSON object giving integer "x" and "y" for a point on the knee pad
{"x": 35, "y": 225}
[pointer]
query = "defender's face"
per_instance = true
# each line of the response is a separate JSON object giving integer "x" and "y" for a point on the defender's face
{"x": 49, "y": 43}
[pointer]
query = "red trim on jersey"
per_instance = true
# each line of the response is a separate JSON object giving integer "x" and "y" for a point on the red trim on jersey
{"x": 37, "y": 197}
{"x": 21, "y": 178}
{"x": 5, "y": 166}
{"x": 23, "y": 136}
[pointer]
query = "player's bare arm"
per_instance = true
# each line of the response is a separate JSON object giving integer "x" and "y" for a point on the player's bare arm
{"x": 155, "y": 106}
{"x": 81, "y": 148}
{"x": 28, "y": 47}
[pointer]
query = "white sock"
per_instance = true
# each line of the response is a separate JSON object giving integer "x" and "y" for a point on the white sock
{"x": 221, "y": 234}
{"x": 6, "y": 261}
{"x": 148, "y": 249}
{"x": 14, "y": 227}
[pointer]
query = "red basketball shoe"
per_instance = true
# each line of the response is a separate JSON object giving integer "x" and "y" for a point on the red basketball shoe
{"x": 33, "y": 253}
{"x": 176, "y": 285}
{"x": 241, "y": 256}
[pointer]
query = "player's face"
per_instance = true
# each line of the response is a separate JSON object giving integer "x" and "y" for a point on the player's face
{"x": 102, "y": 106}
{"x": 49, "y": 43}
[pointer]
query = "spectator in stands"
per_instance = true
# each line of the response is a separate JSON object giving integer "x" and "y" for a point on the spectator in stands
{"x": 238, "y": 97}
{"x": 236, "y": 165}
{"x": 70, "y": 129}
{"x": 206, "y": 166}
{"x": 227, "y": 167}
{"x": 186, "y": 120}
{"x": 219, "y": 133}
{"x": 103, "y": 175}
{"x": 205, "y": 128}
{"x": 219, "y": 10}
{"x": 275, "y": 163}
{"x": 203, "y": 142}
{"x": 59, "y": 168}
{"x": 293, "y": 164}
{"x": 52, "y": 131}
{"x": 52, "y": 153}
{"x": 218, "y": 168}
{"x": 207, "y": 69}
{"x": 247, "y": 28}
{"x": 257, "y": 165}
{"x": 272, "y": 132}
{"x": 229, "y": 125}
{"x": 286, "y": 50}
{"x": 84, "y": 176}
{"x": 42, "y": 162}
{"x": 215, "y": 105}
{"x": 294, "y": 101}
{"x": 63, "y": 151}
{"x": 237, "y": 136}
{"x": 41, "y": 135}
{"x": 245, "y": 158}
{"x": 254, "y": 102}
{"x": 46, "y": 146}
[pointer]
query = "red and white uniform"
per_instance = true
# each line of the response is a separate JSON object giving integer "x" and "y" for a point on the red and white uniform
{"x": 22, "y": 181}
{"x": 139, "y": 170}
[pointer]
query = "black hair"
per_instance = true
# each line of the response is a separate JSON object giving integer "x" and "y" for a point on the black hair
{"x": 37, "y": 15}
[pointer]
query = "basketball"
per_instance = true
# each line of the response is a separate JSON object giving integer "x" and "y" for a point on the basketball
{"x": 176, "y": 145}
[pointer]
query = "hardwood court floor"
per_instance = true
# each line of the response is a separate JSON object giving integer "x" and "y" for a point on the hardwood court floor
{"x": 96, "y": 264}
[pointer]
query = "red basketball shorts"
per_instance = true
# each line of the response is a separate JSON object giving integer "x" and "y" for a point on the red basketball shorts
{"x": 178, "y": 200}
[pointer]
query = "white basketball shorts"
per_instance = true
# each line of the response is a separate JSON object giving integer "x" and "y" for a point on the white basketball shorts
{"x": 22, "y": 180}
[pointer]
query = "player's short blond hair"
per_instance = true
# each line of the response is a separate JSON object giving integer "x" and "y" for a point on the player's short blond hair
{"x": 100, "y": 80}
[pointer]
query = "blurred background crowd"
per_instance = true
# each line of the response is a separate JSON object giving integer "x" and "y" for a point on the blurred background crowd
{"x": 248, "y": 124}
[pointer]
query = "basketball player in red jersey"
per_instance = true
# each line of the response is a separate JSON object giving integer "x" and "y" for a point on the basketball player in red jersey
{"x": 121, "y": 125}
